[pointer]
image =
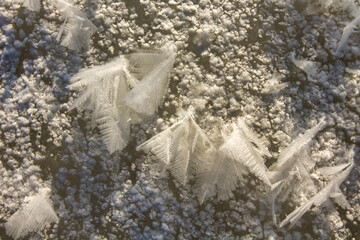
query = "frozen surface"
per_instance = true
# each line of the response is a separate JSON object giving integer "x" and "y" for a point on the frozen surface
{"x": 277, "y": 62}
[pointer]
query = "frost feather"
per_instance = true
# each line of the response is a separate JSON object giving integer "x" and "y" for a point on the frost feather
{"x": 33, "y": 217}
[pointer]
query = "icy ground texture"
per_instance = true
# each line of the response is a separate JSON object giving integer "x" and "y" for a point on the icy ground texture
{"x": 234, "y": 58}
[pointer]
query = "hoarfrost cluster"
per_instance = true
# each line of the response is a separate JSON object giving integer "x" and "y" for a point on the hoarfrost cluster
{"x": 179, "y": 119}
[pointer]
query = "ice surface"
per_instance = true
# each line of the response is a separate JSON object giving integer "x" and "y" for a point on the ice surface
{"x": 232, "y": 60}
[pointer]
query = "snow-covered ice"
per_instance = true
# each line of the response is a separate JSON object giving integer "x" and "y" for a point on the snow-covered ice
{"x": 283, "y": 64}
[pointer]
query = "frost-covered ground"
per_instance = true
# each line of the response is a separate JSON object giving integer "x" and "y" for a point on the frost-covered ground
{"x": 234, "y": 58}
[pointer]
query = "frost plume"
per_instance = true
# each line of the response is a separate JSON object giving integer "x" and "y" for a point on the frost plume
{"x": 33, "y": 217}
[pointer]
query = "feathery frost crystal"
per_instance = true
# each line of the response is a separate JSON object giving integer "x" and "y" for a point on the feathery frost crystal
{"x": 33, "y": 217}
{"x": 77, "y": 26}
{"x": 33, "y": 5}
{"x": 123, "y": 91}
{"x": 189, "y": 153}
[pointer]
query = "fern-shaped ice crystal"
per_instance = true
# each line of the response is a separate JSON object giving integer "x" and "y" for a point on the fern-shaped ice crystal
{"x": 153, "y": 69}
{"x": 33, "y": 217}
{"x": 242, "y": 152}
{"x": 182, "y": 147}
{"x": 33, "y": 5}
{"x": 78, "y": 27}
{"x": 331, "y": 190}
{"x": 122, "y": 91}
{"x": 291, "y": 174}
{"x": 189, "y": 154}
